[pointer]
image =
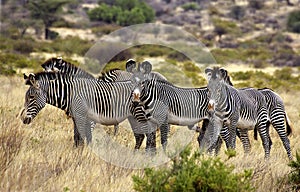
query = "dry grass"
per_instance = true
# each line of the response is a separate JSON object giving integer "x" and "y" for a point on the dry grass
{"x": 41, "y": 157}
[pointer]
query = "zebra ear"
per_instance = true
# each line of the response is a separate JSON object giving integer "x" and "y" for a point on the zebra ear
{"x": 27, "y": 79}
{"x": 145, "y": 67}
{"x": 30, "y": 80}
{"x": 224, "y": 73}
{"x": 47, "y": 65}
{"x": 25, "y": 76}
{"x": 208, "y": 72}
{"x": 130, "y": 65}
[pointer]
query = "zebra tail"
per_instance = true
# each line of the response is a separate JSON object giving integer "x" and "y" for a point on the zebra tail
{"x": 289, "y": 127}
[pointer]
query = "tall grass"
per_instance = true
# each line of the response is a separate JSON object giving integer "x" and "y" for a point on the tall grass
{"x": 41, "y": 157}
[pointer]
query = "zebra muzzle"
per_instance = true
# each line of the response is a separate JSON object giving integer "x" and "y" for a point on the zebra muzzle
{"x": 136, "y": 96}
{"x": 211, "y": 106}
{"x": 27, "y": 120}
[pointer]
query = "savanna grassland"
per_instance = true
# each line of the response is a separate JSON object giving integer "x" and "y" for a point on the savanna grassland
{"x": 41, "y": 156}
{"x": 257, "y": 41}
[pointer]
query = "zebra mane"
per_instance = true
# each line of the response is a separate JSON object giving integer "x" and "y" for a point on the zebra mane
{"x": 29, "y": 80}
{"x": 55, "y": 64}
{"x": 106, "y": 76}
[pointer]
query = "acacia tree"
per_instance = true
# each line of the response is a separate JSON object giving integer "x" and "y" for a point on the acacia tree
{"x": 47, "y": 11}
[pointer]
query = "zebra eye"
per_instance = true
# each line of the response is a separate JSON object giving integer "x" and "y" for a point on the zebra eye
{"x": 31, "y": 96}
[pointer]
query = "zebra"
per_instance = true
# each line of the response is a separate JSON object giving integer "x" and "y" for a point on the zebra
{"x": 276, "y": 112}
{"x": 62, "y": 66}
{"x": 113, "y": 75}
{"x": 231, "y": 108}
{"x": 164, "y": 103}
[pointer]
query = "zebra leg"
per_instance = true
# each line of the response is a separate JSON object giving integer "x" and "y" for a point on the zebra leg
{"x": 78, "y": 141}
{"x": 225, "y": 136}
{"x": 139, "y": 138}
{"x": 232, "y": 130}
{"x": 151, "y": 142}
{"x": 202, "y": 131}
{"x": 82, "y": 122}
{"x": 243, "y": 133}
{"x": 263, "y": 131}
{"x": 164, "y": 131}
{"x": 277, "y": 121}
{"x": 218, "y": 146}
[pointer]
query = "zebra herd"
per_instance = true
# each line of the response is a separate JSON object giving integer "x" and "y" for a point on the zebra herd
{"x": 149, "y": 102}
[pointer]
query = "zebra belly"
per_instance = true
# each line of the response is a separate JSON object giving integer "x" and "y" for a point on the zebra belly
{"x": 246, "y": 124}
{"x": 183, "y": 121}
{"x": 104, "y": 120}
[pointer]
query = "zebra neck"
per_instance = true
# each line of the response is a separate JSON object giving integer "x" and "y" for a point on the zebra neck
{"x": 59, "y": 95}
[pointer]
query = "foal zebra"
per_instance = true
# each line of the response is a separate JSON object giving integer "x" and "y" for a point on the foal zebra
{"x": 277, "y": 116}
{"x": 243, "y": 108}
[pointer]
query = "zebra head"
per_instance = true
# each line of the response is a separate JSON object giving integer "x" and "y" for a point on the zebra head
{"x": 35, "y": 99}
{"x": 138, "y": 79}
{"x": 54, "y": 64}
{"x": 216, "y": 77}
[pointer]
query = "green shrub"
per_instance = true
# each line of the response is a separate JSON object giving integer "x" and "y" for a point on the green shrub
{"x": 294, "y": 176}
{"x": 10, "y": 62}
{"x": 24, "y": 46}
{"x": 124, "y": 12}
{"x": 178, "y": 56}
{"x": 69, "y": 45}
{"x": 225, "y": 27}
{"x": 191, "y": 172}
{"x": 152, "y": 50}
{"x": 293, "y": 22}
{"x": 106, "y": 29}
{"x": 190, "y": 6}
{"x": 281, "y": 79}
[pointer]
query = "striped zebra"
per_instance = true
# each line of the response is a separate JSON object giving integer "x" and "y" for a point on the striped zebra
{"x": 86, "y": 99}
{"x": 277, "y": 116}
{"x": 163, "y": 104}
{"x": 230, "y": 108}
{"x": 64, "y": 67}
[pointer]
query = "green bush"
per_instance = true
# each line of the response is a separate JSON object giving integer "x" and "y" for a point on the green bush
{"x": 281, "y": 79}
{"x": 24, "y": 46}
{"x": 225, "y": 27}
{"x": 191, "y": 172}
{"x": 106, "y": 29}
{"x": 124, "y": 12}
{"x": 10, "y": 62}
{"x": 152, "y": 50}
{"x": 190, "y": 6}
{"x": 294, "y": 176}
{"x": 293, "y": 22}
{"x": 69, "y": 45}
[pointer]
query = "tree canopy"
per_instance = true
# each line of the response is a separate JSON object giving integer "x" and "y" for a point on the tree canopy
{"x": 47, "y": 11}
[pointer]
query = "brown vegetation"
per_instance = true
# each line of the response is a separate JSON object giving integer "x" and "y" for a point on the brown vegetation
{"x": 41, "y": 157}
